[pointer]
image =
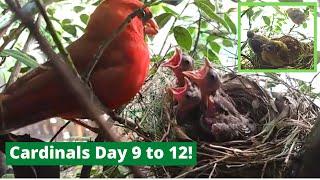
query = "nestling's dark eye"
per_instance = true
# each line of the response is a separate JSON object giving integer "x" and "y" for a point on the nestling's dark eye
{"x": 269, "y": 47}
{"x": 212, "y": 75}
{"x": 186, "y": 62}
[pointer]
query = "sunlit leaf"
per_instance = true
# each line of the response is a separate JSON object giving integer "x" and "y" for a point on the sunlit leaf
{"x": 266, "y": 20}
{"x": 230, "y": 23}
{"x": 169, "y": 10}
{"x": 70, "y": 29}
{"x": 163, "y": 19}
{"x": 215, "y": 46}
{"x": 183, "y": 37}
{"x": 51, "y": 11}
{"x": 20, "y": 56}
{"x": 200, "y": 3}
{"x": 213, "y": 57}
{"x": 84, "y": 18}
{"x": 209, "y": 10}
{"x": 257, "y": 14}
{"x": 249, "y": 13}
{"x": 66, "y": 21}
{"x": 227, "y": 43}
{"x": 78, "y": 9}
{"x": 304, "y": 25}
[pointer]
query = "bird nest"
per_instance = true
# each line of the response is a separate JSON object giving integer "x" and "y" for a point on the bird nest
{"x": 284, "y": 120}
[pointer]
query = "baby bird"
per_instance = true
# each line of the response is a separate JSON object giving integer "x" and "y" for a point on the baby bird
{"x": 224, "y": 122}
{"x": 206, "y": 78}
{"x": 275, "y": 53}
{"x": 178, "y": 63}
{"x": 256, "y": 41}
{"x": 187, "y": 110}
{"x": 284, "y": 51}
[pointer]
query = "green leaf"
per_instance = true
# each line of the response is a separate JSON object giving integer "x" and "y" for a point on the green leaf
{"x": 163, "y": 19}
{"x": 211, "y": 38}
{"x": 230, "y": 23}
{"x": 213, "y": 57}
{"x": 183, "y": 37}
{"x": 66, "y": 21}
{"x": 210, "y": 11}
{"x": 266, "y": 20}
{"x": 278, "y": 10}
{"x": 256, "y": 14}
{"x": 249, "y": 13}
{"x": 215, "y": 46}
{"x": 22, "y": 70}
{"x": 192, "y": 30}
{"x": 20, "y": 56}
{"x": 227, "y": 43}
{"x": 232, "y": 10}
{"x": 78, "y": 9}
{"x": 51, "y": 11}
{"x": 70, "y": 29}
{"x": 84, "y": 18}
{"x": 169, "y": 10}
{"x": 304, "y": 25}
{"x": 205, "y": 2}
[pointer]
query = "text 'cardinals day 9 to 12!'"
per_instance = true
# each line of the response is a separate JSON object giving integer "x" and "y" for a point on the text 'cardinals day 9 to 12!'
{"x": 101, "y": 153}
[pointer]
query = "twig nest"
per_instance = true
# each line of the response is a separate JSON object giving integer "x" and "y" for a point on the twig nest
{"x": 274, "y": 151}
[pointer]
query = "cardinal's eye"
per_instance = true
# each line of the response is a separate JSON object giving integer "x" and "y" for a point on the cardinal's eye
{"x": 146, "y": 15}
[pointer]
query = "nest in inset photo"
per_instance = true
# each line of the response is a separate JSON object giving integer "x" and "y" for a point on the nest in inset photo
{"x": 283, "y": 120}
{"x": 285, "y": 52}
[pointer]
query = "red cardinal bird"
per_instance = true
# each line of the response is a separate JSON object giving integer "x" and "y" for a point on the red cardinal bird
{"x": 180, "y": 62}
{"x": 188, "y": 109}
{"x": 116, "y": 79}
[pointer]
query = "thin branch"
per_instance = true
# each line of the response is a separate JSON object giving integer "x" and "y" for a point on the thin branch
{"x": 59, "y": 131}
{"x": 314, "y": 77}
{"x": 292, "y": 28}
{"x": 198, "y": 35}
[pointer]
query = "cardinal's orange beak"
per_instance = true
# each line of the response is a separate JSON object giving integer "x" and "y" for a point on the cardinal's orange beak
{"x": 151, "y": 27}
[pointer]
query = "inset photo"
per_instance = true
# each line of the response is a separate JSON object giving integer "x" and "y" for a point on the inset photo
{"x": 277, "y": 37}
